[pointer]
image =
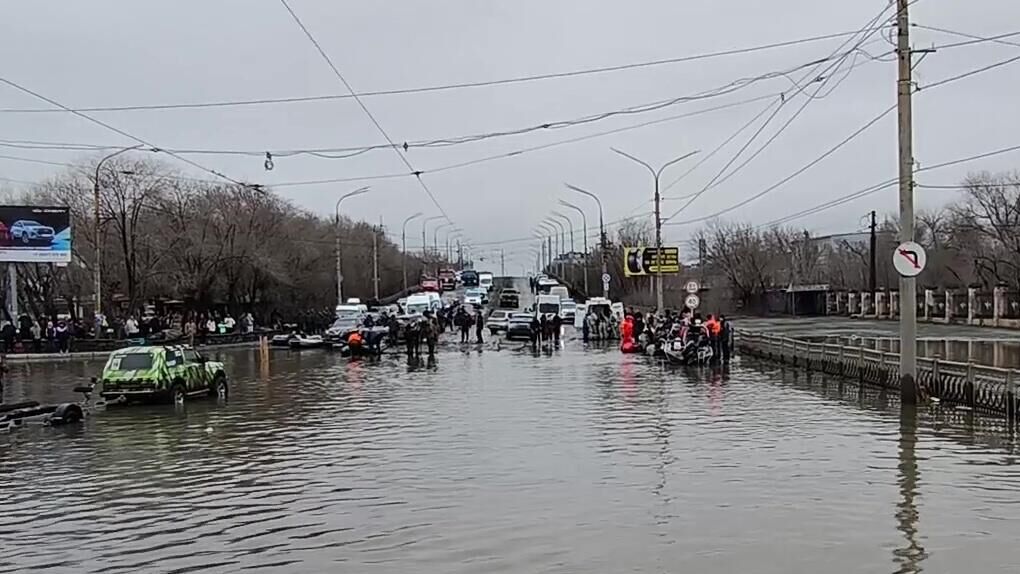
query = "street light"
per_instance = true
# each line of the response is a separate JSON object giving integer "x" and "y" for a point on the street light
{"x": 570, "y": 224}
{"x": 424, "y": 240}
{"x": 454, "y": 233}
{"x": 550, "y": 233}
{"x": 602, "y": 237}
{"x": 339, "y": 270}
{"x": 656, "y": 174}
{"x": 584, "y": 237}
{"x": 97, "y": 272}
{"x": 435, "y": 236}
{"x": 561, "y": 238}
{"x": 403, "y": 245}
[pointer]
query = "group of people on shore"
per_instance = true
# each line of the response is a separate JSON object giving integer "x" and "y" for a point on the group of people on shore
{"x": 30, "y": 335}
{"x": 638, "y": 333}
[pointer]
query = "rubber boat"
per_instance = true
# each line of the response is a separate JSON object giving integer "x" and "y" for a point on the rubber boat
{"x": 307, "y": 342}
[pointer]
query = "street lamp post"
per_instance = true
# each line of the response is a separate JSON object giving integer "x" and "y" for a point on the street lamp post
{"x": 561, "y": 239}
{"x": 602, "y": 237}
{"x": 549, "y": 232}
{"x": 424, "y": 238}
{"x": 656, "y": 174}
{"x": 435, "y": 242}
{"x": 570, "y": 226}
{"x": 584, "y": 237}
{"x": 403, "y": 245}
{"x": 339, "y": 259}
{"x": 451, "y": 235}
{"x": 97, "y": 271}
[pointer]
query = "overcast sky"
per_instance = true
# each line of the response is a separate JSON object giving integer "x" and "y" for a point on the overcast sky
{"x": 128, "y": 52}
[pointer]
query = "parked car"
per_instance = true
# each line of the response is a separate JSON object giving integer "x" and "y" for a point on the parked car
{"x": 476, "y": 296}
{"x": 469, "y": 278}
{"x": 172, "y": 373}
{"x": 498, "y": 321}
{"x": 509, "y": 298}
{"x": 28, "y": 231}
{"x": 486, "y": 281}
{"x": 519, "y": 327}
{"x": 568, "y": 308}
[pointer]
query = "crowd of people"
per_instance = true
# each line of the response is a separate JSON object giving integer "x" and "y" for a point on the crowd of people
{"x": 651, "y": 333}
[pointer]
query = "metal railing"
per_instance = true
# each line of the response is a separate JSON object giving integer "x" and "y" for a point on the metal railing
{"x": 982, "y": 388}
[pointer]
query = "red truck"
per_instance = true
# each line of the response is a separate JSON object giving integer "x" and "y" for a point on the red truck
{"x": 448, "y": 279}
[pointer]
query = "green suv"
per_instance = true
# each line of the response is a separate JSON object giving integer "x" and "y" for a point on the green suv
{"x": 171, "y": 373}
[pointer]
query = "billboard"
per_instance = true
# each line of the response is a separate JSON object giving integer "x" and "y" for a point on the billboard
{"x": 35, "y": 234}
{"x": 640, "y": 261}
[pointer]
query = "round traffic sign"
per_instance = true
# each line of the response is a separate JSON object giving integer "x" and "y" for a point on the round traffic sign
{"x": 605, "y": 278}
{"x": 692, "y": 287}
{"x": 909, "y": 259}
{"x": 692, "y": 301}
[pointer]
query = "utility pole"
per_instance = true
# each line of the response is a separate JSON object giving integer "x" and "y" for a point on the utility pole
{"x": 339, "y": 258}
{"x": 460, "y": 256}
{"x": 871, "y": 264}
{"x": 403, "y": 246}
{"x": 702, "y": 254}
{"x": 375, "y": 259}
{"x": 502, "y": 263}
{"x": 908, "y": 285}
{"x": 656, "y": 175}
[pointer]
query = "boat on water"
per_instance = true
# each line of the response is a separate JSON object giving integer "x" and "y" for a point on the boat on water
{"x": 694, "y": 350}
{"x": 282, "y": 340}
{"x": 307, "y": 342}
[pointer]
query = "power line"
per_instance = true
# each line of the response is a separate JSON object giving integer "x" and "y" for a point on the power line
{"x": 118, "y": 131}
{"x": 351, "y": 151}
{"x": 832, "y": 150}
{"x": 883, "y": 185}
{"x": 364, "y": 108}
{"x": 447, "y": 87}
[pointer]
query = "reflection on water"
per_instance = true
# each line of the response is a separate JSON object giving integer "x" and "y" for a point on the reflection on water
{"x": 995, "y": 352}
{"x": 573, "y": 461}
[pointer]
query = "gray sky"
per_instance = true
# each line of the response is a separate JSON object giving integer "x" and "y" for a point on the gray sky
{"x": 126, "y": 52}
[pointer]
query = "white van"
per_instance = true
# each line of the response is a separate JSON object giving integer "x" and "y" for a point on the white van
{"x": 421, "y": 302}
{"x": 547, "y": 305}
{"x": 560, "y": 291}
{"x": 485, "y": 281}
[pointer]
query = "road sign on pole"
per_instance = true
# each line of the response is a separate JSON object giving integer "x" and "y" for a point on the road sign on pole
{"x": 692, "y": 301}
{"x": 605, "y": 278}
{"x": 909, "y": 259}
{"x": 692, "y": 287}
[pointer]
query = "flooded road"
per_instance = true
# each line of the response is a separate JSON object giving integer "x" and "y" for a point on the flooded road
{"x": 583, "y": 460}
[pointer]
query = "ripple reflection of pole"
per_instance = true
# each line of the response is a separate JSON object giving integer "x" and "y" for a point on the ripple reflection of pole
{"x": 912, "y": 553}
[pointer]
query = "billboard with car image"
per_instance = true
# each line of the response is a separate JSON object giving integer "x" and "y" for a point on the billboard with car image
{"x": 35, "y": 234}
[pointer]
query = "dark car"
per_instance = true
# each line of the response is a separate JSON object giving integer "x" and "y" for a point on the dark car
{"x": 509, "y": 299}
{"x": 469, "y": 278}
{"x": 519, "y": 327}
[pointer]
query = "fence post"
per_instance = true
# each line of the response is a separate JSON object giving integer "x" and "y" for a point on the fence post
{"x": 968, "y": 387}
{"x": 1010, "y": 401}
{"x": 860, "y": 364}
{"x": 839, "y": 360}
{"x": 936, "y": 379}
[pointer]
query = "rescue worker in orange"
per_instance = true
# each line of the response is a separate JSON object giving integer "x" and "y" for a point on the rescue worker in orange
{"x": 714, "y": 328}
{"x": 354, "y": 342}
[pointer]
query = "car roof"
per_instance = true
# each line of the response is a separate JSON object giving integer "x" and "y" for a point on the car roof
{"x": 151, "y": 349}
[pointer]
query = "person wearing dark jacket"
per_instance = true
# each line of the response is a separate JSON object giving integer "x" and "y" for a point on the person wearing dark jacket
{"x": 479, "y": 325}
{"x": 725, "y": 338}
{"x": 557, "y": 326}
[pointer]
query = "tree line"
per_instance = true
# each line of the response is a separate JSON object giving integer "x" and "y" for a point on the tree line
{"x": 973, "y": 240}
{"x": 207, "y": 246}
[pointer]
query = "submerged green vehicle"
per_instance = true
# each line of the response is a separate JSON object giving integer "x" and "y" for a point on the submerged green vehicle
{"x": 161, "y": 373}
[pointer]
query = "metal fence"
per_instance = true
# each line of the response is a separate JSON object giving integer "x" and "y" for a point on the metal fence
{"x": 992, "y": 390}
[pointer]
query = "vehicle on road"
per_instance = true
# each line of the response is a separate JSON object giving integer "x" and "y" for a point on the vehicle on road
{"x": 469, "y": 278}
{"x": 168, "y": 373}
{"x": 16, "y": 415}
{"x": 498, "y": 321}
{"x": 486, "y": 281}
{"x": 547, "y": 305}
{"x": 421, "y": 302}
{"x": 545, "y": 284}
{"x": 349, "y": 309}
{"x": 560, "y": 291}
{"x": 429, "y": 284}
{"x": 476, "y": 296}
{"x": 447, "y": 280}
{"x": 28, "y": 231}
{"x": 568, "y": 310}
{"x": 509, "y": 298}
{"x": 519, "y": 327}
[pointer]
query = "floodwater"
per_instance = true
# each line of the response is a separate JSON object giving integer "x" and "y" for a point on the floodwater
{"x": 582, "y": 460}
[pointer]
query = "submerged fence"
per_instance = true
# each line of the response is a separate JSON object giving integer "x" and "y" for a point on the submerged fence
{"x": 983, "y": 388}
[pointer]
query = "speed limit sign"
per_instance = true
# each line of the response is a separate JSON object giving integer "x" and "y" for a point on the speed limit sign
{"x": 692, "y": 301}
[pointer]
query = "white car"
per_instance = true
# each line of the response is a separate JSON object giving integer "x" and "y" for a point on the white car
{"x": 498, "y": 321}
{"x": 473, "y": 299}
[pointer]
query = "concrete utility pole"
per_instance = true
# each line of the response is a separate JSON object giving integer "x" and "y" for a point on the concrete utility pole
{"x": 908, "y": 285}
{"x": 603, "y": 243}
{"x": 375, "y": 259}
{"x": 339, "y": 264}
{"x": 502, "y": 263}
{"x": 872, "y": 264}
{"x": 584, "y": 237}
{"x": 403, "y": 246}
{"x": 656, "y": 174}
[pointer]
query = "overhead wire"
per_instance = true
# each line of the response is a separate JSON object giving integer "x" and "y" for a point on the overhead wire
{"x": 121, "y": 132}
{"x": 451, "y": 86}
{"x": 364, "y": 108}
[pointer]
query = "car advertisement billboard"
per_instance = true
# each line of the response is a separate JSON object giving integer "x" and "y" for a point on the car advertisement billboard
{"x": 35, "y": 234}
